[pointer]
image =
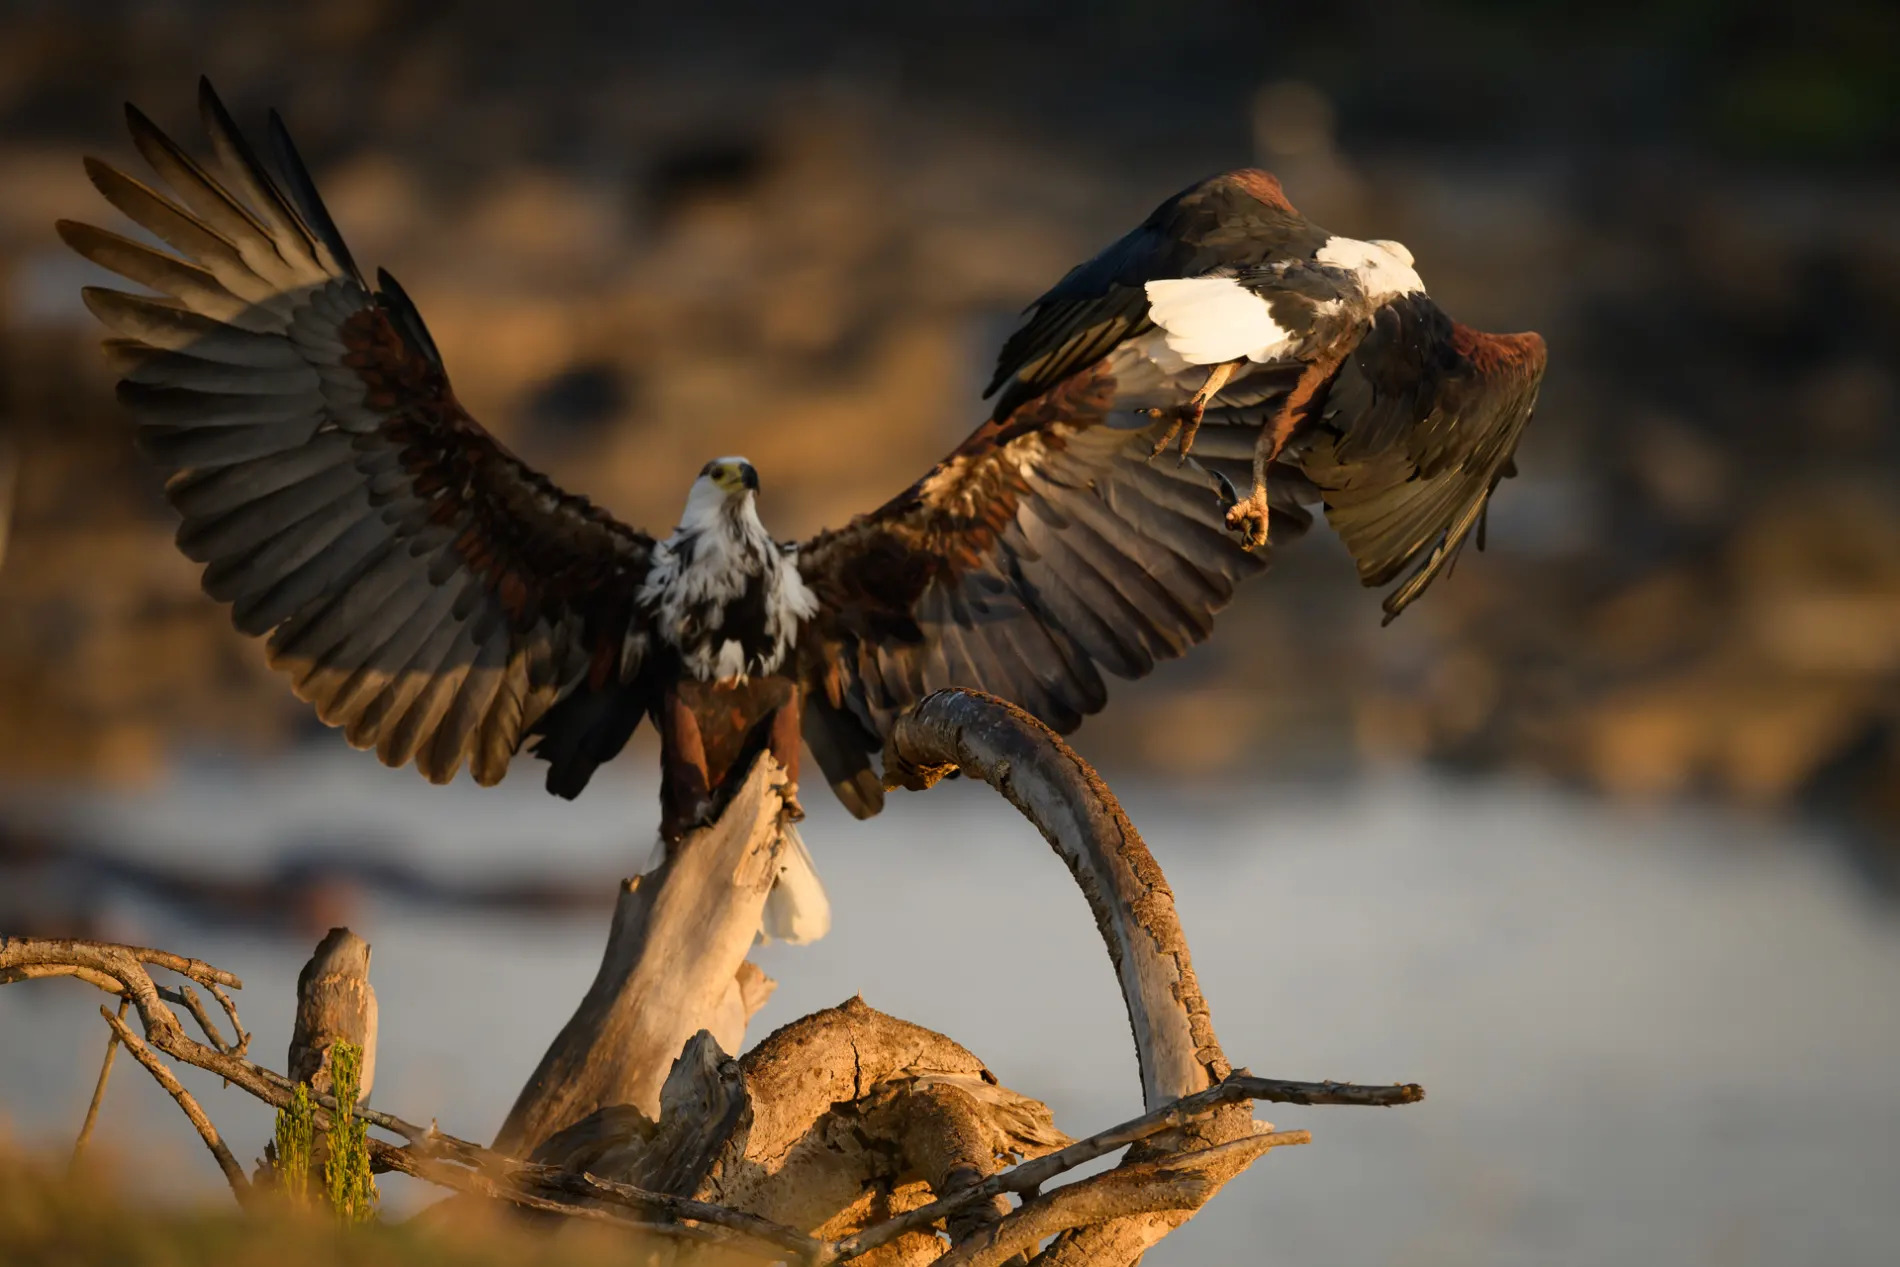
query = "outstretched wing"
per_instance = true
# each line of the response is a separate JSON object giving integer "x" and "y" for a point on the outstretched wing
{"x": 1044, "y": 553}
{"x": 424, "y": 589}
{"x": 1236, "y": 220}
{"x": 1420, "y": 423}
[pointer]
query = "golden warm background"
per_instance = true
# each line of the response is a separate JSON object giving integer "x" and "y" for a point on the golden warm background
{"x": 645, "y": 236}
{"x": 1599, "y": 842}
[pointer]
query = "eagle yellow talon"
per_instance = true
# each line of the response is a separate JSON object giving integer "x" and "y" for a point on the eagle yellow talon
{"x": 1249, "y": 519}
{"x": 1186, "y": 424}
{"x": 1167, "y": 437}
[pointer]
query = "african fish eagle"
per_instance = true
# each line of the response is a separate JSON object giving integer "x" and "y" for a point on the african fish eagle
{"x": 444, "y": 604}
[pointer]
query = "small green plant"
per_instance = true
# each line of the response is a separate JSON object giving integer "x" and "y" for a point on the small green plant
{"x": 291, "y": 1147}
{"x": 347, "y": 1181}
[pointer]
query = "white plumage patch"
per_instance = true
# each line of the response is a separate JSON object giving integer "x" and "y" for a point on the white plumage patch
{"x": 1209, "y": 320}
{"x": 1384, "y": 268}
{"x": 707, "y": 564}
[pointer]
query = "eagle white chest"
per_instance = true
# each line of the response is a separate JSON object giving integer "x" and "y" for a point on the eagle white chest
{"x": 727, "y": 597}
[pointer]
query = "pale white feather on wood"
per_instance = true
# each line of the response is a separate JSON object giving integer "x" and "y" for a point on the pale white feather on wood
{"x": 797, "y": 910}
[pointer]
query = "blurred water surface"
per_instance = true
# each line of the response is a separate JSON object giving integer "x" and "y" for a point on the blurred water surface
{"x": 1648, "y": 1037}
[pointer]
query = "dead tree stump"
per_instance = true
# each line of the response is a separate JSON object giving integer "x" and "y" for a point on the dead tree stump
{"x": 335, "y": 1003}
{"x": 848, "y": 1135}
{"x": 675, "y": 964}
{"x": 843, "y": 1120}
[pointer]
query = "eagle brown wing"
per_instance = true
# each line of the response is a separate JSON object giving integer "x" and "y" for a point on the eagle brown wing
{"x": 1043, "y": 554}
{"x": 1420, "y": 424}
{"x": 424, "y": 589}
{"x": 1236, "y": 220}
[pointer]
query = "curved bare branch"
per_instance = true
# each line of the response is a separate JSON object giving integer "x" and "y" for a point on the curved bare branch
{"x": 1066, "y": 800}
{"x": 1175, "y": 1044}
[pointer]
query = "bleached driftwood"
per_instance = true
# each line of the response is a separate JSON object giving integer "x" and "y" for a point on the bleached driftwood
{"x": 675, "y": 964}
{"x": 849, "y": 1134}
{"x": 868, "y": 1132}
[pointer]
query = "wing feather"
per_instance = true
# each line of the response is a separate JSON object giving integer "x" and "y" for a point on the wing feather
{"x": 1040, "y": 555}
{"x": 1421, "y": 423}
{"x": 422, "y": 587}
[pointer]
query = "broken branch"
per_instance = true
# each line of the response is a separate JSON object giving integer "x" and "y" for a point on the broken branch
{"x": 233, "y": 1173}
{"x": 99, "y": 1088}
{"x": 1039, "y": 1171}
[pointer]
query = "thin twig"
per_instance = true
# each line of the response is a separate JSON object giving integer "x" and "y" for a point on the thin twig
{"x": 570, "y": 1183}
{"x": 1035, "y": 1173}
{"x": 732, "y": 1228}
{"x": 233, "y": 1173}
{"x": 38, "y": 971}
{"x": 189, "y": 997}
{"x": 230, "y": 1010}
{"x": 32, "y": 950}
{"x": 99, "y": 1088}
{"x": 1179, "y": 1181}
{"x": 1281, "y": 1091}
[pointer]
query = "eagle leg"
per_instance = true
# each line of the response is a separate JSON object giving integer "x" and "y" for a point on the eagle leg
{"x": 1187, "y": 419}
{"x": 784, "y": 743}
{"x": 1248, "y": 517}
{"x": 686, "y": 779}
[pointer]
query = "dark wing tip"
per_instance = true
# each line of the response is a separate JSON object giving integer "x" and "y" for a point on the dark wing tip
{"x": 140, "y": 122}
{"x": 219, "y": 123}
{"x": 307, "y": 201}
{"x": 862, "y": 794}
{"x": 407, "y": 317}
{"x": 97, "y": 170}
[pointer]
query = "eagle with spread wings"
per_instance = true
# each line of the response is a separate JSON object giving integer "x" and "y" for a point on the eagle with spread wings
{"x": 444, "y": 604}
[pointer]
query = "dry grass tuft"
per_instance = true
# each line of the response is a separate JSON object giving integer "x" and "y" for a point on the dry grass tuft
{"x": 48, "y": 1219}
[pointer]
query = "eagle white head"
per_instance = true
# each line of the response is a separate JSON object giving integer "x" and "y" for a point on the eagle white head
{"x": 726, "y": 487}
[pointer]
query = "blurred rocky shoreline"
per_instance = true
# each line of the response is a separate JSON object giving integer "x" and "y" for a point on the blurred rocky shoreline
{"x": 644, "y": 238}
